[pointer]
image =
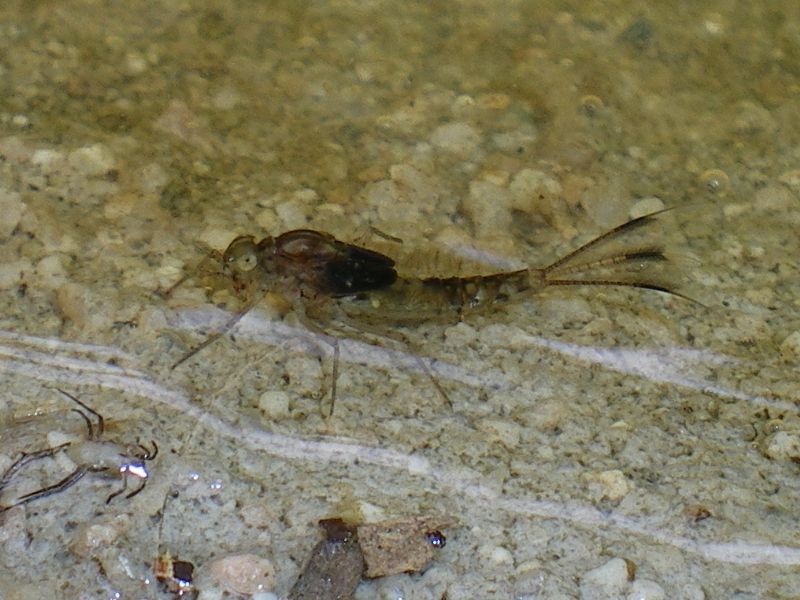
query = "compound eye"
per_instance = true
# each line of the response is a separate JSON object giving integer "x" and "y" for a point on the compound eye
{"x": 241, "y": 255}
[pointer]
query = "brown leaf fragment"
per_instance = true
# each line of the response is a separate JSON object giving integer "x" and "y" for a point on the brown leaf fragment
{"x": 401, "y": 546}
{"x": 334, "y": 569}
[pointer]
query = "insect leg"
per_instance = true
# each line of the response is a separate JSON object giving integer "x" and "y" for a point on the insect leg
{"x": 327, "y": 410}
{"x": 113, "y": 495}
{"x": 401, "y": 339}
{"x": 426, "y": 368}
{"x": 62, "y": 485}
{"x": 137, "y": 490}
{"x": 213, "y": 256}
{"x": 214, "y": 336}
{"x": 27, "y": 457}
{"x": 100, "y": 421}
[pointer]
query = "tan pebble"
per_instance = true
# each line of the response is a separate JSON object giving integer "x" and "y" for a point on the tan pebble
{"x": 120, "y": 205}
{"x": 51, "y": 270}
{"x": 12, "y": 273}
{"x": 791, "y": 178}
{"x": 607, "y": 485}
{"x": 93, "y": 161}
{"x": 257, "y": 515}
{"x": 790, "y": 346}
{"x": 645, "y": 206}
{"x": 761, "y": 296}
{"x": 274, "y": 404}
{"x": 90, "y": 538}
{"x": 548, "y": 415}
{"x": 502, "y": 431}
{"x": 782, "y": 445}
{"x": 11, "y": 207}
{"x": 372, "y": 173}
{"x": 214, "y": 237}
{"x": 76, "y": 305}
{"x": 494, "y": 101}
{"x": 495, "y": 176}
{"x": 243, "y": 573}
{"x": 775, "y": 198}
{"x": 267, "y": 220}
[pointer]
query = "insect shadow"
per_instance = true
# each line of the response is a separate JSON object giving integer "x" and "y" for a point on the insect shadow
{"x": 333, "y": 285}
{"x": 92, "y": 455}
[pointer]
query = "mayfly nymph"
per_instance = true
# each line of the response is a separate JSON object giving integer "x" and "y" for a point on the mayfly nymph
{"x": 328, "y": 281}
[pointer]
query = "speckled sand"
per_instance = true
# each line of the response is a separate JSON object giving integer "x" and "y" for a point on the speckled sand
{"x": 602, "y": 443}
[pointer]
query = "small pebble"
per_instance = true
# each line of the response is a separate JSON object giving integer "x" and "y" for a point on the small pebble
{"x": 608, "y": 485}
{"x": 11, "y": 207}
{"x": 92, "y": 161}
{"x": 501, "y": 556}
{"x": 645, "y": 206}
{"x": 791, "y": 179}
{"x": 790, "y": 346}
{"x": 775, "y": 198}
{"x": 606, "y": 581}
{"x": 782, "y": 445}
{"x": 644, "y": 589}
{"x": 274, "y": 404}
{"x": 459, "y": 138}
{"x": 20, "y": 121}
{"x": 503, "y": 431}
{"x": 494, "y": 101}
{"x": 90, "y": 537}
{"x": 243, "y": 573}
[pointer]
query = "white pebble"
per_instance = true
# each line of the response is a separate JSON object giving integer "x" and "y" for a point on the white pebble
{"x": 46, "y": 160}
{"x": 95, "y": 160}
{"x": 644, "y": 589}
{"x": 501, "y": 556}
{"x": 20, "y": 121}
{"x": 645, "y": 206}
{"x": 606, "y": 581}
{"x": 458, "y": 138}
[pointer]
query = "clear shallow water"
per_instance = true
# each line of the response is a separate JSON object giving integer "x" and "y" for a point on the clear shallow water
{"x": 591, "y": 424}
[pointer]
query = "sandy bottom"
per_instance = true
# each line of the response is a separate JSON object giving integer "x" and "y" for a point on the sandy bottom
{"x": 601, "y": 443}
